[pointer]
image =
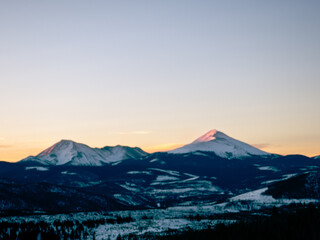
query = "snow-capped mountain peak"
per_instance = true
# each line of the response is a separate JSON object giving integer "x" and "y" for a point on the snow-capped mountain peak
{"x": 61, "y": 145}
{"x": 222, "y": 145}
{"x": 209, "y": 136}
{"x": 66, "y": 151}
{"x": 73, "y": 153}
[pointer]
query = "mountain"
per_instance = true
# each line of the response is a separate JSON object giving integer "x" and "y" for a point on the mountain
{"x": 222, "y": 145}
{"x": 67, "y": 152}
{"x": 317, "y": 157}
{"x": 195, "y": 174}
{"x": 199, "y": 175}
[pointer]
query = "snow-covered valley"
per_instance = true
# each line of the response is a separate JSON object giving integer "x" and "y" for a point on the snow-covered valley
{"x": 112, "y": 224}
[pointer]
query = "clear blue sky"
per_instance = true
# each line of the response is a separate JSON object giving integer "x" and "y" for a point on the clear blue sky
{"x": 158, "y": 73}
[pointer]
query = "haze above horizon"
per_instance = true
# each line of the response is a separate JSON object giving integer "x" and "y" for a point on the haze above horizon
{"x": 159, "y": 74}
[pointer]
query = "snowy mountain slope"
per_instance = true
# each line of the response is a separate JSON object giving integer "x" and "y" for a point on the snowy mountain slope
{"x": 123, "y": 152}
{"x": 72, "y": 153}
{"x": 222, "y": 145}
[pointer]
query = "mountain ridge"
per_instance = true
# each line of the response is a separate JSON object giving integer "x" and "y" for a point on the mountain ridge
{"x": 73, "y": 153}
{"x": 142, "y": 180}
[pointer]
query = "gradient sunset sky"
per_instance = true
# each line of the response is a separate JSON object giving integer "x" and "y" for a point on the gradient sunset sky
{"x": 158, "y": 74}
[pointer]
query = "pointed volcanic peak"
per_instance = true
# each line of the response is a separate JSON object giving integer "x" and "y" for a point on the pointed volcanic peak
{"x": 222, "y": 145}
{"x": 67, "y": 152}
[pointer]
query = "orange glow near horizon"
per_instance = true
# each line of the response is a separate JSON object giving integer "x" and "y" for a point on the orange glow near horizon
{"x": 162, "y": 147}
{"x": 14, "y": 154}
{"x": 306, "y": 151}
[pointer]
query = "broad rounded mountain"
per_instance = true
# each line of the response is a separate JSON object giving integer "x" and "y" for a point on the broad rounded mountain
{"x": 71, "y": 153}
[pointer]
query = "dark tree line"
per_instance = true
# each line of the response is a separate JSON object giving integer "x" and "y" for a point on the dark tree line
{"x": 299, "y": 224}
{"x": 55, "y": 231}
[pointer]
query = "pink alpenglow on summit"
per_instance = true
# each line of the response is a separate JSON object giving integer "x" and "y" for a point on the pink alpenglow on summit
{"x": 207, "y": 137}
{"x": 222, "y": 145}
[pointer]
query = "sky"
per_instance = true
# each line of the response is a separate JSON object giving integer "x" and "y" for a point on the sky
{"x": 159, "y": 74}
